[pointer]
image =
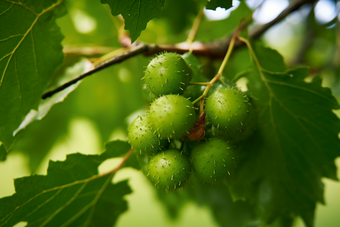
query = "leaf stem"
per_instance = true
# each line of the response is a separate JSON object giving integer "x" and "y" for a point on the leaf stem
{"x": 194, "y": 29}
{"x": 219, "y": 73}
{"x": 198, "y": 83}
{"x": 109, "y": 55}
{"x": 201, "y": 106}
{"x": 251, "y": 51}
{"x": 120, "y": 165}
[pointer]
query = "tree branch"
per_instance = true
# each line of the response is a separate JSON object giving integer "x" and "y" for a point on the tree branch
{"x": 291, "y": 8}
{"x": 132, "y": 51}
{"x": 215, "y": 49}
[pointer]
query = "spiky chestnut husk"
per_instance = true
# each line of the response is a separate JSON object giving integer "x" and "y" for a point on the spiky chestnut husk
{"x": 142, "y": 138}
{"x": 212, "y": 160}
{"x": 218, "y": 85}
{"x": 172, "y": 116}
{"x": 228, "y": 109}
{"x": 169, "y": 169}
{"x": 239, "y": 134}
{"x": 167, "y": 73}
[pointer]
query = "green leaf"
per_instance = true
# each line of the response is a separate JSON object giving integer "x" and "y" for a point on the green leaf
{"x": 184, "y": 15}
{"x": 209, "y": 30}
{"x": 135, "y": 13}
{"x": 3, "y": 153}
{"x": 71, "y": 194}
{"x": 295, "y": 145}
{"x": 226, "y": 211}
{"x": 30, "y": 52}
{"x": 58, "y": 117}
{"x": 213, "y": 4}
{"x": 46, "y": 104}
{"x": 110, "y": 147}
{"x": 217, "y": 197}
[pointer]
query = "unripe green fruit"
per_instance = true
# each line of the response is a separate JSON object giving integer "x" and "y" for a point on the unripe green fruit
{"x": 142, "y": 137}
{"x": 169, "y": 169}
{"x": 218, "y": 86}
{"x": 212, "y": 160}
{"x": 227, "y": 109}
{"x": 167, "y": 73}
{"x": 237, "y": 135}
{"x": 172, "y": 116}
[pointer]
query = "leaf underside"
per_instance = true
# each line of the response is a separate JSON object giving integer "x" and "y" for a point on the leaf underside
{"x": 71, "y": 194}
{"x": 213, "y": 4}
{"x": 136, "y": 14}
{"x": 30, "y": 52}
{"x": 45, "y": 105}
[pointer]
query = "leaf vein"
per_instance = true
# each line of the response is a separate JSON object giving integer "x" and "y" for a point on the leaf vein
{"x": 296, "y": 87}
{"x": 29, "y": 29}
{"x": 97, "y": 198}
{"x": 19, "y": 86}
{"x": 65, "y": 205}
{"x": 36, "y": 64}
{"x": 6, "y": 10}
{"x": 20, "y": 4}
{"x": 12, "y": 36}
{"x": 43, "y": 204}
{"x": 88, "y": 206}
{"x": 53, "y": 189}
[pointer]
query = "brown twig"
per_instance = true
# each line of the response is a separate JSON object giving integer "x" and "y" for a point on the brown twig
{"x": 134, "y": 50}
{"x": 119, "y": 166}
{"x": 291, "y": 8}
{"x": 215, "y": 49}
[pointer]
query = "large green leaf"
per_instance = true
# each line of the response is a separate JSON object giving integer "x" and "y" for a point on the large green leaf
{"x": 46, "y": 104}
{"x": 295, "y": 144}
{"x": 71, "y": 194}
{"x": 135, "y": 13}
{"x": 213, "y": 4}
{"x": 209, "y": 30}
{"x": 30, "y": 52}
{"x": 28, "y": 135}
{"x": 217, "y": 197}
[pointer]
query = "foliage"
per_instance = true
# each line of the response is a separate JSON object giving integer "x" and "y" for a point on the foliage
{"x": 72, "y": 193}
{"x": 278, "y": 173}
{"x": 136, "y": 14}
{"x": 30, "y": 53}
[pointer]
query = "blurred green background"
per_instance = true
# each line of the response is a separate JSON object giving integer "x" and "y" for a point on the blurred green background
{"x": 100, "y": 109}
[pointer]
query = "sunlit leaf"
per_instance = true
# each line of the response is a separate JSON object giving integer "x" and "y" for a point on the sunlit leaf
{"x": 295, "y": 144}
{"x": 46, "y": 104}
{"x": 30, "y": 52}
{"x": 71, "y": 194}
